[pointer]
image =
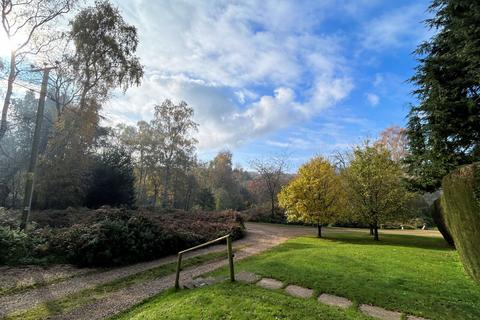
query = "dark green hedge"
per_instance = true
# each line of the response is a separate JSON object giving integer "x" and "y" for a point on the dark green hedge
{"x": 461, "y": 202}
{"x": 437, "y": 213}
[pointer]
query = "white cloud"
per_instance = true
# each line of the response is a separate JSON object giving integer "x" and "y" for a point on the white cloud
{"x": 373, "y": 99}
{"x": 396, "y": 28}
{"x": 247, "y": 69}
{"x": 278, "y": 144}
{"x": 223, "y": 43}
{"x": 224, "y": 123}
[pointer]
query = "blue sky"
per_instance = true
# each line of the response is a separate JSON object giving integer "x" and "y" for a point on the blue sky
{"x": 276, "y": 77}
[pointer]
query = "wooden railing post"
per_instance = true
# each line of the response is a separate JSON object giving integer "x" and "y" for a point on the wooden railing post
{"x": 177, "y": 276}
{"x": 230, "y": 258}
{"x": 229, "y": 251}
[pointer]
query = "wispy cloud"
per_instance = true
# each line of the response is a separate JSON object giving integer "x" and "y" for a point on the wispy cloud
{"x": 396, "y": 28}
{"x": 372, "y": 99}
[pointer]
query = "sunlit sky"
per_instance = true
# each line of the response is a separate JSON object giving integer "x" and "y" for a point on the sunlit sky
{"x": 276, "y": 77}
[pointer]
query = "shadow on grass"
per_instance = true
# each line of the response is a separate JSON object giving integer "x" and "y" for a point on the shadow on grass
{"x": 431, "y": 243}
{"x": 295, "y": 245}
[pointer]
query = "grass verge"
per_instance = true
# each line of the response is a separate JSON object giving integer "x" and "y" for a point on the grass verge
{"x": 36, "y": 285}
{"x": 98, "y": 292}
{"x": 234, "y": 301}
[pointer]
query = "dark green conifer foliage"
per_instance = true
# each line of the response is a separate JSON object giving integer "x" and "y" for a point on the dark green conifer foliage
{"x": 444, "y": 128}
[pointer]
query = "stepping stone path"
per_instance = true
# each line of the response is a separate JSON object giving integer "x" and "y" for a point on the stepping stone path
{"x": 268, "y": 283}
{"x": 247, "y": 277}
{"x": 328, "y": 299}
{"x": 336, "y": 301}
{"x": 380, "y": 313}
{"x": 299, "y": 292}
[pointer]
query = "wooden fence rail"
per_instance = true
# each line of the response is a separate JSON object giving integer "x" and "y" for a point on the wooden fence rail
{"x": 229, "y": 254}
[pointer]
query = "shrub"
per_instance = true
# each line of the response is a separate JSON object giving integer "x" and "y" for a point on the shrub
{"x": 10, "y": 218}
{"x": 263, "y": 214}
{"x": 112, "y": 180}
{"x": 115, "y": 241}
{"x": 117, "y": 236}
{"x": 461, "y": 202}
{"x": 19, "y": 247}
{"x": 437, "y": 213}
{"x": 14, "y": 245}
{"x": 108, "y": 237}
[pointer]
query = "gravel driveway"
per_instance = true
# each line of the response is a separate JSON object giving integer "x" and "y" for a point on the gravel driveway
{"x": 260, "y": 237}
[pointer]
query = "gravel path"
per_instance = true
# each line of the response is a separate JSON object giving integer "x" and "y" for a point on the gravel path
{"x": 260, "y": 237}
{"x": 27, "y": 276}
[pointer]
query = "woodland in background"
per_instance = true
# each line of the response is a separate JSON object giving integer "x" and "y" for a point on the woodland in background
{"x": 152, "y": 165}
{"x": 83, "y": 163}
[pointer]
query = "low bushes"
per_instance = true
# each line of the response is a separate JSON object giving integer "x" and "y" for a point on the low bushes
{"x": 461, "y": 201}
{"x": 108, "y": 237}
{"x": 263, "y": 214}
{"x": 114, "y": 241}
{"x": 19, "y": 247}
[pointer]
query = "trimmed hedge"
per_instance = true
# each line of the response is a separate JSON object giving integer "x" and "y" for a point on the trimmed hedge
{"x": 461, "y": 201}
{"x": 437, "y": 213}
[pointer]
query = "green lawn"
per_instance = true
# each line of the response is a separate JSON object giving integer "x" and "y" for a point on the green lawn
{"x": 234, "y": 301}
{"x": 411, "y": 274}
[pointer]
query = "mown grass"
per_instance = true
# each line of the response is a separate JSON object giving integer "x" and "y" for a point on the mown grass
{"x": 412, "y": 274}
{"x": 90, "y": 295}
{"x": 234, "y": 301}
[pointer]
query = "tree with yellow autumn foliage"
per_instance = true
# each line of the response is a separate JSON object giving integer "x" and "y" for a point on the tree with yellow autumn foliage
{"x": 314, "y": 195}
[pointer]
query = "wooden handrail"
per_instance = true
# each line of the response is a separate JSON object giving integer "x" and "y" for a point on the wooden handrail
{"x": 229, "y": 253}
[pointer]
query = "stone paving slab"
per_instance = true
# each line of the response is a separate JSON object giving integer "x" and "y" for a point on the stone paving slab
{"x": 299, "y": 292}
{"x": 247, "y": 277}
{"x": 336, "y": 301}
{"x": 415, "y": 318}
{"x": 268, "y": 283}
{"x": 380, "y": 313}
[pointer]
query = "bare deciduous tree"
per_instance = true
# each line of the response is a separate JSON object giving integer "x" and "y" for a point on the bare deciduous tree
{"x": 271, "y": 171}
{"x": 396, "y": 141}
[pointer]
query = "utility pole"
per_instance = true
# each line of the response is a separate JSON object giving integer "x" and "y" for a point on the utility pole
{"x": 30, "y": 177}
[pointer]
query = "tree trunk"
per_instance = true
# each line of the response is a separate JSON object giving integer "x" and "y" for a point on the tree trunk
{"x": 155, "y": 195}
{"x": 375, "y": 237}
{"x": 140, "y": 180}
{"x": 319, "y": 230}
{"x": 86, "y": 88}
{"x": 165, "y": 187}
{"x": 8, "y": 95}
{"x": 371, "y": 230}
{"x": 273, "y": 206}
